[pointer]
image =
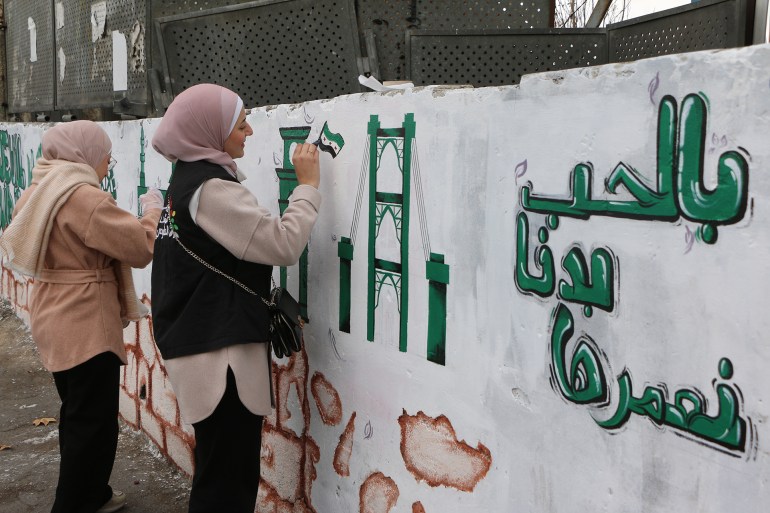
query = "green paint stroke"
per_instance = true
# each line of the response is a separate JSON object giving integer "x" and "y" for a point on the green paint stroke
{"x": 287, "y": 182}
{"x": 595, "y": 287}
{"x": 544, "y": 284}
{"x": 581, "y": 379}
{"x": 345, "y": 253}
{"x": 726, "y": 203}
{"x": 14, "y": 175}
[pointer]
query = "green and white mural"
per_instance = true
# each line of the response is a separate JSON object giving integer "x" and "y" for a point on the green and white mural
{"x": 396, "y": 207}
{"x": 547, "y": 297}
{"x": 580, "y": 374}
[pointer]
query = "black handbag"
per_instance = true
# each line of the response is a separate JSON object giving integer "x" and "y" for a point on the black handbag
{"x": 285, "y": 319}
{"x": 285, "y": 323}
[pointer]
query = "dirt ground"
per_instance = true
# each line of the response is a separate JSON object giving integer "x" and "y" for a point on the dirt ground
{"x": 29, "y": 467}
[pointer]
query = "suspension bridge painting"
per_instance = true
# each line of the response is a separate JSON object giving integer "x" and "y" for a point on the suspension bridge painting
{"x": 380, "y": 206}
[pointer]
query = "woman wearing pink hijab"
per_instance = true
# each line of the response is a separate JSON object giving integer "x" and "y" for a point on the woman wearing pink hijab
{"x": 211, "y": 332}
{"x": 79, "y": 245}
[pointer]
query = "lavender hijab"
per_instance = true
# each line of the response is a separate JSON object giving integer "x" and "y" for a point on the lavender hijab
{"x": 83, "y": 142}
{"x": 197, "y": 124}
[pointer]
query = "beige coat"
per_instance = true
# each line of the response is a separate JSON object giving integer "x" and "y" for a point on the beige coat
{"x": 73, "y": 316}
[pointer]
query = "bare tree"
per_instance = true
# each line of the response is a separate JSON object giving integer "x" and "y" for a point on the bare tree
{"x": 575, "y": 13}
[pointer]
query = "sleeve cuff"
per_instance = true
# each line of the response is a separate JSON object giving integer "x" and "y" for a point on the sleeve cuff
{"x": 307, "y": 193}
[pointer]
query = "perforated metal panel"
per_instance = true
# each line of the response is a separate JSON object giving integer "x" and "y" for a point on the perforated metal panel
{"x": 389, "y": 20}
{"x": 31, "y": 83}
{"x": 165, "y": 8}
{"x": 84, "y": 74}
{"x": 701, "y": 26}
{"x": 499, "y": 57}
{"x": 284, "y": 51}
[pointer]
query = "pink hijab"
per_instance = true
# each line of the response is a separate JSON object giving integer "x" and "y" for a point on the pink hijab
{"x": 83, "y": 142}
{"x": 197, "y": 124}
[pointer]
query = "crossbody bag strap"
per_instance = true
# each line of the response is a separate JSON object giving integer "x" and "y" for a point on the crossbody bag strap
{"x": 241, "y": 285}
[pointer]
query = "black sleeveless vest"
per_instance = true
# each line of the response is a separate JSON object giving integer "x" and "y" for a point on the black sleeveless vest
{"x": 194, "y": 309}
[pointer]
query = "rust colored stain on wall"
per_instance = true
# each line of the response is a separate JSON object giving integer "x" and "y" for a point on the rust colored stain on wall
{"x": 378, "y": 494}
{"x": 432, "y": 453}
{"x": 289, "y": 459}
{"x": 147, "y": 401}
{"x": 345, "y": 448}
{"x": 326, "y": 399}
{"x": 17, "y": 292}
{"x": 417, "y": 507}
{"x": 283, "y": 455}
{"x": 295, "y": 372}
{"x": 268, "y": 501}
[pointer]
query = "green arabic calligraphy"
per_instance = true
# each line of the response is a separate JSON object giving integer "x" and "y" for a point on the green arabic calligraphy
{"x": 544, "y": 284}
{"x": 599, "y": 290}
{"x": 594, "y": 286}
{"x": 687, "y": 413}
{"x": 585, "y": 382}
{"x": 580, "y": 378}
{"x": 14, "y": 175}
{"x": 679, "y": 190}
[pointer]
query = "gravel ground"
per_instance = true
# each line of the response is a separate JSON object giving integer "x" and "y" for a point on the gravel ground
{"x": 30, "y": 467}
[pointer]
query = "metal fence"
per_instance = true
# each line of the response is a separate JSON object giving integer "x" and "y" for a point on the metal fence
{"x": 493, "y": 58}
{"x": 107, "y": 58}
{"x": 384, "y": 23}
{"x": 29, "y": 55}
{"x": 700, "y": 26}
{"x": 286, "y": 51}
{"x": 487, "y": 58}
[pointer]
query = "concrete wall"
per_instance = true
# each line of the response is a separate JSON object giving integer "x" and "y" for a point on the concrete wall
{"x": 574, "y": 319}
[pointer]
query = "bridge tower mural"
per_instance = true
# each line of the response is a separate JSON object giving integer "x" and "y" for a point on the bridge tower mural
{"x": 287, "y": 181}
{"x": 397, "y": 206}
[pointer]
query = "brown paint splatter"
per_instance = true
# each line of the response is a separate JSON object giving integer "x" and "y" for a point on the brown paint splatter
{"x": 295, "y": 372}
{"x": 145, "y": 384}
{"x": 312, "y": 457}
{"x": 345, "y": 448}
{"x": 326, "y": 399}
{"x": 268, "y": 501}
{"x": 432, "y": 453}
{"x": 417, "y": 507}
{"x": 282, "y": 461}
{"x": 292, "y": 479}
{"x": 17, "y": 292}
{"x": 378, "y": 494}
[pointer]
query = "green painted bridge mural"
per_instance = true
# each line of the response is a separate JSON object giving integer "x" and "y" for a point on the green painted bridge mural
{"x": 396, "y": 207}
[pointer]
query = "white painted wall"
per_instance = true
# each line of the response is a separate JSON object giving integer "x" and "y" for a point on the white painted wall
{"x": 681, "y": 305}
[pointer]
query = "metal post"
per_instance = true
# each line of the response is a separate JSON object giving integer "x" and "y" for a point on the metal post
{"x": 371, "y": 278}
{"x": 598, "y": 14}
{"x": 3, "y": 89}
{"x": 760, "y": 22}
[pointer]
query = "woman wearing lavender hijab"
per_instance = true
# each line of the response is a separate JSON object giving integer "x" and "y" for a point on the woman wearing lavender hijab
{"x": 211, "y": 332}
{"x": 79, "y": 245}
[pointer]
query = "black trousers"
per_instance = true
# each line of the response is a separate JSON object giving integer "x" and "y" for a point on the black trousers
{"x": 88, "y": 433}
{"x": 227, "y": 447}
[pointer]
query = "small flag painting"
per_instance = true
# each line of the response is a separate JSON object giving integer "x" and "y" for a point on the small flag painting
{"x": 330, "y": 142}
